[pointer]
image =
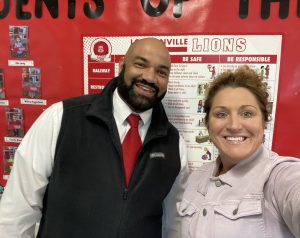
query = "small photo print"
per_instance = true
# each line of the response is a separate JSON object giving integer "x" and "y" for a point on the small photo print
{"x": 207, "y": 153}
{"x": 8, "y": 159}
{"x": 202, "y": 88}
{"x": 18, "y": 36}
{"x": 200, "y": 106}
{"x": 14, "y": 122}
{"x": 270, "y": 107}
{"x": 2, "y": 91}
{"x": 202, "y": 136}
{"x": 31, "y": 83}
{"x": 265, "y": 71}
{"x": 1, "y": 190}
{"x": 201, "y": 122}
{"x": 212, "y": 70}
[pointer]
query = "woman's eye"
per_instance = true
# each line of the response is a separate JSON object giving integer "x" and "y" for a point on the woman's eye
{"x": 247, "y": 114}
{"x": 221, "y": 114}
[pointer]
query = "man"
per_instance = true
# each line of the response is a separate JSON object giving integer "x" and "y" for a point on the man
{"x": 69, "y": 170}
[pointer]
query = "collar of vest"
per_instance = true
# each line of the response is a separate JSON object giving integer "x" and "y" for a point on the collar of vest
{"x": 101, "y": 108}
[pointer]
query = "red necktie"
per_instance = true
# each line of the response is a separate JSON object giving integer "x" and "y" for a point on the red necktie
{"x": 131, "y": 145}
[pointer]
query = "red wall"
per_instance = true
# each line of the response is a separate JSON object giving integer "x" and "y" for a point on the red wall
{"x": 56, "y": 48}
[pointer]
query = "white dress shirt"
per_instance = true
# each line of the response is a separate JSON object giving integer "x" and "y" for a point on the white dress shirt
{"x": 22, "y": 200}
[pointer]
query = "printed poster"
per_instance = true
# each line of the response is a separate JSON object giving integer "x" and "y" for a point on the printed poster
{"x": 196, "y": 61}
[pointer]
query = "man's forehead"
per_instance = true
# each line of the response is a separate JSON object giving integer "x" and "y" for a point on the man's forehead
{"x": 150, "y": 44}
{"x": 149, "y": 52}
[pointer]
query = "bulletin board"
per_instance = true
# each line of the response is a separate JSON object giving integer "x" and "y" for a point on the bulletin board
{"x": 196, "y": 61}
{"x": 46, "y": 64}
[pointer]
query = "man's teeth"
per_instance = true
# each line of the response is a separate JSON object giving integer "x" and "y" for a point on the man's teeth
{"x": 240, "y": 138}
{"x": 146, "y": 88}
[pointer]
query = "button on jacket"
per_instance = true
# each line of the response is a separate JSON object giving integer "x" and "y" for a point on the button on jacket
{"x": 259, "y": 197}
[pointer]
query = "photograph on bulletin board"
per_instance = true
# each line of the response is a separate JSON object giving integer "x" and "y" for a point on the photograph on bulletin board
{"x": 18, "y": 36}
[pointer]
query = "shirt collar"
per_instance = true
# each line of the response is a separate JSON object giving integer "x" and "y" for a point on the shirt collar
{"x": 251, "y": 168}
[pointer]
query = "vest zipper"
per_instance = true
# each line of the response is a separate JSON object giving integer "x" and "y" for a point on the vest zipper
{"x": 125, "y": 193}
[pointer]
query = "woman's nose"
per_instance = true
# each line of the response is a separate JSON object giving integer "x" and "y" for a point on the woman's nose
{"x": 234, "y": 122}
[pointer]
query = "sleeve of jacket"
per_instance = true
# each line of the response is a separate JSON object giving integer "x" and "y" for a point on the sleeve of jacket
{"x": 21, "y": 203}
{"x": 286, "y": 180}
{"x": 171, "y": 219}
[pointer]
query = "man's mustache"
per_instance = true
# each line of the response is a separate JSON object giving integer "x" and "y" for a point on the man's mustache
{"x": 143, "y": 81}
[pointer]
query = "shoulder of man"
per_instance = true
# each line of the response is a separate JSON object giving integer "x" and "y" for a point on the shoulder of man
{"x": 79, "y": 101}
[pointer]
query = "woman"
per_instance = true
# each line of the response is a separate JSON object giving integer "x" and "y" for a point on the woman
{"x": 248, "y": 191}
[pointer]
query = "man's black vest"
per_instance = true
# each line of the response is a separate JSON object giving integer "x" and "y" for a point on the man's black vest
{"x": 86, "y": 196}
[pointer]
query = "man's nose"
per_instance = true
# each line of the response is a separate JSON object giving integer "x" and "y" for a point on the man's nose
{"x": 149, "y": 75}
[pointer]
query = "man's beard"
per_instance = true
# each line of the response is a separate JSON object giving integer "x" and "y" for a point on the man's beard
{"x": 137, "y": 103}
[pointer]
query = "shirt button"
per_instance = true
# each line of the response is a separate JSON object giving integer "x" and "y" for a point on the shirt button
{"x": 218, "y": 183}
{"x": 204, "y": 212}
{"x": 235, "y": 211}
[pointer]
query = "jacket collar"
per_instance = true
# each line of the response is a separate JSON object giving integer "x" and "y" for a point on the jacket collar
{"x": 251, "y": 169}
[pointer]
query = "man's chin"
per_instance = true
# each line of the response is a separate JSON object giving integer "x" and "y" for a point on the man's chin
{"x": 142, "y": 104}
{"x": 145, "y": 98}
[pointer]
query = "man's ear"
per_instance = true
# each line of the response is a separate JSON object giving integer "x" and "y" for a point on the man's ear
{"x": 121, "y": 64}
